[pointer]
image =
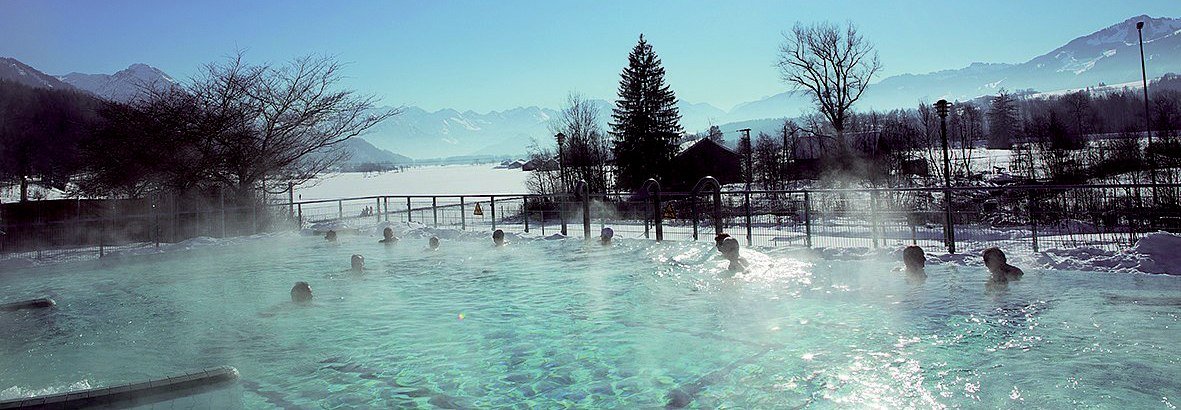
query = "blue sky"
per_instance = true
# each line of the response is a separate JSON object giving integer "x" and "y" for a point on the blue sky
{"x": 492, "y": 55}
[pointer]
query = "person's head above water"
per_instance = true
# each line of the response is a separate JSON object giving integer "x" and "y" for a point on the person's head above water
{"x": 729, "y": 248}
{"x": 301, "y": 292}
{"x": 914, "y": 258}
{"x": 358, "y": 262}
{"x": 498, "y": 237}
{"x": 330, "y": 236}
{"x": 387, "y": 233}
{"x": 605, "y": 235}
{"x": 434, "y": 243}
{"x": 718, "y": 240}
{"x": 994, "y": 258}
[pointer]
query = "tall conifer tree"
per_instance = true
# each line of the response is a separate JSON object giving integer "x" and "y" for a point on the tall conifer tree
{"x": 645, "y": 122}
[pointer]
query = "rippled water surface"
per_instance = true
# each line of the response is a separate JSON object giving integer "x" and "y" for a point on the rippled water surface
{"x": 555, "y": 323}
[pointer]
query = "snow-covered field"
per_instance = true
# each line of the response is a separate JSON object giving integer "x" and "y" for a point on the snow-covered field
{"x": 433, "y": 180}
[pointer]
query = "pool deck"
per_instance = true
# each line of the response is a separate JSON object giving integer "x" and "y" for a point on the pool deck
{"x": 131, "y": 394}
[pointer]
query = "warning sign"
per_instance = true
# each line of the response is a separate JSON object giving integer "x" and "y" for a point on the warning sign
{"x": 479, "y": 211}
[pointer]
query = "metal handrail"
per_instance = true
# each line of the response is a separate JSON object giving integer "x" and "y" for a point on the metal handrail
{"x": 657, "y": 219}
{"x": 717, "y": 188}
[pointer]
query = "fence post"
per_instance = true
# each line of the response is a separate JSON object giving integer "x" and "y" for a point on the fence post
{"x": 873, "y": 216}
{"x": 339, "y": 209}
{"x": 298, "y": 207}
{"x": 221, "y": 200}
{"x": 377, "y": 209}
{"x": 562, "y": 211}
{"x": 290, "y": 200}
{"x": 492, "y": 207}
{"x": 1033, "y": 219}
{"x": 435, "y": 209}
{"x": 582, "y": 191}
{"x": 408, "y": 212}
{"x": 386, "y": 200}
{"x": 949, "y": 226}
{"x": 525, "y": 211}
{"x": 462, "y": 216}
{"x": 156, "y": 219}
{"x": 696, "y": 217}
{"x": 746, "y": 204}
{"x": 253, "y": 216}
{"x": 807, "y": 219}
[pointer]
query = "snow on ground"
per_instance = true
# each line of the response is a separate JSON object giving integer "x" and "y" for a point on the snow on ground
{"x": 1155, "y": 253}
{"x": 10, "y": 194}
{"x": 431, "y": 180}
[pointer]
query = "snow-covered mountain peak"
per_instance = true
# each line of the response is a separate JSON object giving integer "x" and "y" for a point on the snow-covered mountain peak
{"x": 1124, "y": 33}
{"x": 124, "y": 85}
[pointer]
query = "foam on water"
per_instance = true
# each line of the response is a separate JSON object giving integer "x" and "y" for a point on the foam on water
{"x": 566, "y": 323}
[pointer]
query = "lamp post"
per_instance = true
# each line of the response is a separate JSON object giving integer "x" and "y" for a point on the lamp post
{"x": 561, "y": 166}
{"x": 942, "y": 107}
{"x": 1147, "y": 117}
{"x": 749, "y": 161}
{"x": 749, "y": 176}
{"x": 562, "y": 180}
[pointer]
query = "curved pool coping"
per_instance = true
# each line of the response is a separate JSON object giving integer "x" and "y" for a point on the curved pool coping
{"x": 28, "y": 304}
{"x": 130, "y": 394}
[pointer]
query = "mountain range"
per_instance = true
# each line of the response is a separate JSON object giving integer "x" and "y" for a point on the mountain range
{"x": 1107, "y": 56}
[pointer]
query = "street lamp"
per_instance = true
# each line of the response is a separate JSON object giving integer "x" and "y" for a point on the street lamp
{"x": 942, "y": 107}
{"x": 749, "y": 161}
{"x": 1147, "y": 118}
{"x": 561, "y": 166}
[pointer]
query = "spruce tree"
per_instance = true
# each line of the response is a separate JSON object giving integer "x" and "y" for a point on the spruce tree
{"x": 645, "y": 121}
{"x": 1002, "y": 121}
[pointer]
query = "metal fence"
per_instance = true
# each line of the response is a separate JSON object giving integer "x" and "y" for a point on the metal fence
{"x": 961, "y": 219}
{"x": 1110, "y": 217}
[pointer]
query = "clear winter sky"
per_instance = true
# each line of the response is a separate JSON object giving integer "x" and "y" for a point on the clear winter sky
{"x": 493, "y": 55}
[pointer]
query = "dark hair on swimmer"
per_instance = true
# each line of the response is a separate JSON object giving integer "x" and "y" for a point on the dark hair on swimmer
{"x": 719, "y": 238}
{"x": 914, "y": 256}
{"x": 994, "y": 252}
{"x": 330, "y": 235}
{"x": 387, "y": 232}
{"x": 434, "y": 242}
{"x": 301, "y": 292}
{"x": 358, "y": 262}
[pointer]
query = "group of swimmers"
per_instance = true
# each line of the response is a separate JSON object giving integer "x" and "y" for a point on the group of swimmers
{"x": 913, "y": 258}
{"x": 999, "y": 270}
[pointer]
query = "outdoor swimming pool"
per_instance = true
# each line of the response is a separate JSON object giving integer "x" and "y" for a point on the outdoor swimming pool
{"x": 561, "y": 322}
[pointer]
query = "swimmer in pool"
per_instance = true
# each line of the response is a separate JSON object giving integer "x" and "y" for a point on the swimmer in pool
{"x": 330, "y": 236}
{"x": 301, "y": 292}
{"x": 358, "y": 262}
{"x": 915, "y": 260}
{"x": 498, "y": 237}
{"x": 999, "y": 267}
{"x": 729, "y": 248}
{"x": 389, "y": 238}
{"x": 718, "y": 240}
{"x": 434, "y": 243}
{"x": 605, "y": 236}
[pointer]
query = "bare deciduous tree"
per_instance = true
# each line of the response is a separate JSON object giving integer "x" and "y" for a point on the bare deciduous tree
{"x": 587, "y": 150}
{"x": 832, "y": 64}
{"x": 235, "y": 125}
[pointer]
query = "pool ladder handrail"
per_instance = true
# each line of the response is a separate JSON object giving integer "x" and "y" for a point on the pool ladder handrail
{"x": 581, "y": 189}
{"x": 652, "y": 187}
{"x": 717, "y": 188}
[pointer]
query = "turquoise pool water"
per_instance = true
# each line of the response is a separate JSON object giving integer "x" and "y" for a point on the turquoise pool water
{"x": 562, "y": 323}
